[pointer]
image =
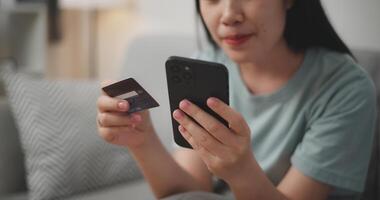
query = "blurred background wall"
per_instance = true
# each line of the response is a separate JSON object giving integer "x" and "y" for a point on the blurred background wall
{"x": 357, "y": 21}
{"x": 94, "y": 34}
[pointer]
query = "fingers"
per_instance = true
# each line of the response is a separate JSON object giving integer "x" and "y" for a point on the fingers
{"x": 203, "y": 152}
{"x": 109, "y": 104}
{"x": 109, "y": 119}
{"x": 113, "y": 134}
{"x": 234, "y": 119}
{"x": 198, "y": 136}
{"x": 208, "y": 122}
{"x": 188, "y": 137}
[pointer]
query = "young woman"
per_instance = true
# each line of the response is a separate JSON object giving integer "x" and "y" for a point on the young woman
{"x": 301, "y": 118}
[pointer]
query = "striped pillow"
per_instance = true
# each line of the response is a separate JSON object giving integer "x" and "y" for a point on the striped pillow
{"x": 57, "y": 126}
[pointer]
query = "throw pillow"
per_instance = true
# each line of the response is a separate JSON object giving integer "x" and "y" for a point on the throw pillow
{"x": 57, "y": 126}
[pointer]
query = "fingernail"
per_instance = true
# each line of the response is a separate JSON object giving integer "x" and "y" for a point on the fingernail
{"x": 181, "y": 129}
{"x": 122, "y": 105}
{"x": 177, "y": 114}
{"x": 212, "y": 101}
{"x": 184, "y": 104}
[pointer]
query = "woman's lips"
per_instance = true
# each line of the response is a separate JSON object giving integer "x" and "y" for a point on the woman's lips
{"x": 237, "y": 40}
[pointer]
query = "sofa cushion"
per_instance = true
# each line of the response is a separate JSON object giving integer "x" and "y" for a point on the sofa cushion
{"x": 12, "y": 171}
{"x": 57, "y": 126}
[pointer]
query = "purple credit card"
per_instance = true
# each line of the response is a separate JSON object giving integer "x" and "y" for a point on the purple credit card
{"x": 138, "y": 98}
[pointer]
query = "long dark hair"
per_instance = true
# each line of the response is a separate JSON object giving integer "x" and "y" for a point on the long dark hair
{"x": 306, "y": 26}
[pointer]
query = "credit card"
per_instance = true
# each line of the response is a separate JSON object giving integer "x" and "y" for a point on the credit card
{"x": 130, "y": 90}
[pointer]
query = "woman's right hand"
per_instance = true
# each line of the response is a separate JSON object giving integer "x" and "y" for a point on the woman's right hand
{"x": 117, "y": 127}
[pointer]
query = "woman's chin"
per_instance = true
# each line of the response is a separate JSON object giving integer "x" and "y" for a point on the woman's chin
{"x": 240, "y": 57}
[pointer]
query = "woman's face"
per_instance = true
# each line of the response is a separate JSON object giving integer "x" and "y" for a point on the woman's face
{"x": 247, "y": 30}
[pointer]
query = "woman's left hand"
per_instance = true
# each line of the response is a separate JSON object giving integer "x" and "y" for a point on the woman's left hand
{"x": 225, "y": 150}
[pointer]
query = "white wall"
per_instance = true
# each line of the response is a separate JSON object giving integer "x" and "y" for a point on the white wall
{"x": 167, "y": 15}
{"x": 357, "y": 21}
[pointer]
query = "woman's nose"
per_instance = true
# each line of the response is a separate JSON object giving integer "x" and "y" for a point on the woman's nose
{"x": 232, "y": 14}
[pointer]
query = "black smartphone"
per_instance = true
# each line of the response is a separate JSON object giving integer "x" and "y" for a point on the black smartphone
{"x": 195, "y": 80}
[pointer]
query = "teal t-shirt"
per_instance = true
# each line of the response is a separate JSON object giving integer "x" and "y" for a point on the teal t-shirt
{"x": 321, "y": 121}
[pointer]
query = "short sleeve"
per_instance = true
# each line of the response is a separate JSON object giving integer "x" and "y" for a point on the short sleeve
{"x": 336, "y": 147}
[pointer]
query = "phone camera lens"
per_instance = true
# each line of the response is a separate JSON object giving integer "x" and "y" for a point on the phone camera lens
{"x": 187, "y": 76}
{"x": 175, "y": 68}
{"x": 176, "y": 79}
